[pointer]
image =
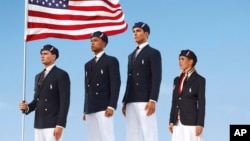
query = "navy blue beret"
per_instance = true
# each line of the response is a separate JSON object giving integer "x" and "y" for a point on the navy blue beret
{"x": 100, "y": 35}
{"x": 143, "y": 26}
{"x": 50, "y": 48}
{"x": 190, "y": 54}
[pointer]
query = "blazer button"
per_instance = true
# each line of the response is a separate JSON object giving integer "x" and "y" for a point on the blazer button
{"x": 177, "y": 106}
{"x": 97, "y": 84}
{"x": 46, "y": 109}
{"x": 179, "y": 98}
{"x": 137, "y": 74}
{"x": 37, "y": 99}
{"x": 88, "y": 85}
{"x": 129, "y": 74}
{"x": 96, "y": 93}
{"x": 45, "y": 99}
{"x": 137, "y": 84}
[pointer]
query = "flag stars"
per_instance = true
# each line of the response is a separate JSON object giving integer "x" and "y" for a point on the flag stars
{"x": 50, "y": 3}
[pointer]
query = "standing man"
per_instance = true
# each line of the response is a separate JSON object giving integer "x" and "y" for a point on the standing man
{"x": 142, "y": 90}
{"x": 102, "y": 86}
{"x": 51, "y": 99}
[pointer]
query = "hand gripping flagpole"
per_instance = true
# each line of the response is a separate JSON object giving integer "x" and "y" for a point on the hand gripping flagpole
{"x": 24, "y": 64}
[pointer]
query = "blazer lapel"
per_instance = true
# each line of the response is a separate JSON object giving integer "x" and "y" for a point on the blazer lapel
{"x": 98, "y": 66}
{"x": 37, "y": 89}
{"x": 88, "y": 72}
{"x": 49, "y": 76}
{"x": 189, "y": 81}
{"x": 139, "y": 58}
{"x": 37, "y": 79}
{"x": 130, "y": 61}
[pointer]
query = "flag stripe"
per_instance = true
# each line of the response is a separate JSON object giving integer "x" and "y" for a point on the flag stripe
{"x": 77, "y": 22}
{"x": 34, "y": 20}
{"x": 111, "y": 4}
{"x": 74, "y": 27}
{"x": 81, "y": 27}
{"x": 38, "y": 15}
{"x": 77, "y": 32}
{"x": 72, "y": 36}
{"x": 76, "y": 10}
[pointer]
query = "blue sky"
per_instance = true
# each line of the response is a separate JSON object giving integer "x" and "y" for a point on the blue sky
{"x": 218, "y": 31}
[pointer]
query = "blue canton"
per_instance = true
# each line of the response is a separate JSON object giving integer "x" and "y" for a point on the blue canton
{"x": 60, "y": 4}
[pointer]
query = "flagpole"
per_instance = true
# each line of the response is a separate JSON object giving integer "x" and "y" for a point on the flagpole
{"x": 24, "y": 65}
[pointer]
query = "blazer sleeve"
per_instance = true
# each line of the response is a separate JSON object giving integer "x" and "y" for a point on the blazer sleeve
{"x": 32, "y": 104}
{"x": 156, "y": 72}
{"x": 85, "y": 88}
{"x": 64, "y": 96}
{"x": 126, "y": 89}
{"x": 115, "y": 81}
{"x": 201, "y": 101}
{"x": 173, "y": 105}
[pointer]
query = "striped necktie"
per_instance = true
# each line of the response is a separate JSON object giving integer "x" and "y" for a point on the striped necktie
{"x": 134, "y": 55}
{"x": 93, "y": 63}
{"x": 181, "y": 82}
{"x": 41, "y": 78}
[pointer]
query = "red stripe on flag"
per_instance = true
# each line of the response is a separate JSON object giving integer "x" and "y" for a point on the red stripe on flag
{"x": 71, "y": 27}
{"x": 72, "y": 17}
{"x": 72, "y": 37}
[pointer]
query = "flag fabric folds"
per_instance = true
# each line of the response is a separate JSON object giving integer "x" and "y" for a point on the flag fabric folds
{"x": 73, "y": 19}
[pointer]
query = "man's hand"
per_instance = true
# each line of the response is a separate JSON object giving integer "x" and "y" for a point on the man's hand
{"x": 124, "y": 110}
{"x": 198, "y": 130}
{"x": 23, "y": 106}
{"x": 109, "y": 112}
{"x": 150, "y": 107}
{"x": 84, "y": 117}
{"x": 171, "y": 127}
{"x": 58, "y": 132}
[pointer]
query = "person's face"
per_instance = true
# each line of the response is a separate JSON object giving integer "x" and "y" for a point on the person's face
{"x": 140, "y": 36}
{"x": 47, "y": 58}
{"x": 185, "y": 63}
{"x": 97, "y": 44}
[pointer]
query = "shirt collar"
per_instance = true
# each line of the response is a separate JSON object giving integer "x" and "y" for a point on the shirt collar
{"x": 189, "y": 73}
{"x": 98, "y": 55}
{"x": 48, "y": 69}
{"x": 143, "y": 45}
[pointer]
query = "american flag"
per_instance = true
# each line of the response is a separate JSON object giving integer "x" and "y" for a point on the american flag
{"x": 73, "y": 19}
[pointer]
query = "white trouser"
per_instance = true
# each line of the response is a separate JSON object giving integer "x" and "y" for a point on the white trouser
{"x": 140, "y": 126}
{"x": 100, "y": 127}
{"x": 185, "y": 133}
{"x": 46, "y": 134}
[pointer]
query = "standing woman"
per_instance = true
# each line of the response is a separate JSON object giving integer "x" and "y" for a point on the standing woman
{"x": 187, "y": 113}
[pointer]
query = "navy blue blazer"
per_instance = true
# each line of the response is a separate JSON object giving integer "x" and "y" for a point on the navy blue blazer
{"x": 191, "y": 102}
{"x": 51, "y": 101}
{"x": 102, "y": 84}
{"x": 143, "y": 76}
